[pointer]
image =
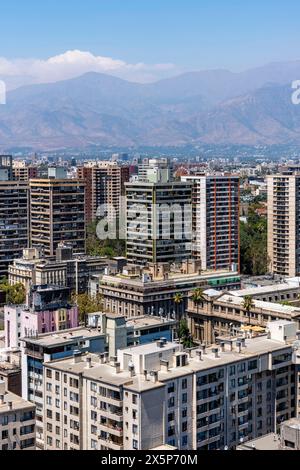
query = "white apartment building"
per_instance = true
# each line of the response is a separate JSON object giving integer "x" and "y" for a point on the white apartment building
{"x": 283, "y": 224}
{"x": 216, "y": 236}
{"x": 17, "y": 422}
{"x": 158, "y": 394}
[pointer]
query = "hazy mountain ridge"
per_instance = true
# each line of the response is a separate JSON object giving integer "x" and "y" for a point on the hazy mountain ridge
{"x": 219, "y": 107}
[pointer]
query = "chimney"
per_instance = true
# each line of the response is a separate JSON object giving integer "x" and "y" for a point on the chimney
{"x": 102, "y": 358}
{"x": 145, "y": 375}
{"x": 1, "y": 399}
{"x": 154, "y": 377}
{"x": 199, "y": 355}
{"x": 239, "y": 346}
{"x": 164, "y": 366}
{"x": 10, "y": 405}
{"x": 117, "y": 367}
{"x": 160, "y": 344}
{"x": 222, "y": 347}
{"x": 131, "y": 369}
{"x": 216, "y": 352}
{"x": 243, "y": 342}
{"x": 89, "y": 362}
{"x": 76, "y": 357}
{"x": 113, "y": 360}
{"x": 203, "y": 347}
{"x": 106, "y": 356}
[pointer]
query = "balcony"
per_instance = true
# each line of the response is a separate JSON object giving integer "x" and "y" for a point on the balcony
{"x": 113, "y": 429}
{"x": 111, "y": 444}
{"x": 113, "y": 414}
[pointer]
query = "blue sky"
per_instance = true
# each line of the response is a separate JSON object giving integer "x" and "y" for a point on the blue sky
{"x": 191, "y": 34}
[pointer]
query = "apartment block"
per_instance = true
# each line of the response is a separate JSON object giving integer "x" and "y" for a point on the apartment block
{"x": 17, "y": 422}
{"x": 14, "y": 221}
{"x": 283, "y": 225}
{"x": 24, "y": 172}
{"x": 216, "y": 211}
{"x": 6, "y": 167}
{"x": 57, "y": 208}
{"x": 150, "y": 290}
{"x": 159, "y": 221}
{"x": 158, "y": 394}
{"x": 44, "y": 348}
{"x": 105, "y": 184}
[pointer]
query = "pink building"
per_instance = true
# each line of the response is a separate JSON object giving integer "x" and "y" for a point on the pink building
{"x": 49, "y": 311}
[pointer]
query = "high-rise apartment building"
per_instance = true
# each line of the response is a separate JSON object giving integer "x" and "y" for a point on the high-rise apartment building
{"x": 216, "y": 236}
{"x": 14, "y": 221}
{"x": 105, "y": 184}
{"x": 158, "y": 394}
{"x": 24, "y": 172}
{"x": 159, "y": 214}
{"x": 284, "y": 225}
{"x": 6, "y": 167}
{"x": 57, "y": 208}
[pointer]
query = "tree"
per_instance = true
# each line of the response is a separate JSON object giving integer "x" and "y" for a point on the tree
{"x": 253, "y": 237}
{"x": 198, "y": 297}
{"x": 248, "y": 304}
{"x": 97, "y": 247}
{"x": 15, "y": 294}
{"x": 87, "y": 304}
{"x": 184, "y": 334}
{"x": 178, "y": 299}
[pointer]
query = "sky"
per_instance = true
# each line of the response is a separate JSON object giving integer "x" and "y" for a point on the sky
{"x": 142, "y": 40}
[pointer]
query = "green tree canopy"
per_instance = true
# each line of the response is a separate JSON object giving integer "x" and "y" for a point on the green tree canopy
{"x": 87, "y": 304}
{"x": 15, "y": 294}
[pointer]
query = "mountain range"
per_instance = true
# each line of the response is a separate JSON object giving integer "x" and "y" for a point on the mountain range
{"x": 209, "y": 107}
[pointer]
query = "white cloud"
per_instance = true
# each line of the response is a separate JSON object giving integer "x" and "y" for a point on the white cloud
{"x": 74, "y": 63}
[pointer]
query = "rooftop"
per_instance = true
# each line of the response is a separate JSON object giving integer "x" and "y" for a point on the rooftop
{"x": 17, "y": 402}
{"x": 260, "y": 304}
{"x": 266, "y": 289}
{"x": 108, "y": 374}
{"x": 267, "y": 442}
{"x": 62, "y": 337}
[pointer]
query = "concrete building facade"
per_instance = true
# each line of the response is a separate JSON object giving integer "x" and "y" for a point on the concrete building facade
{"x": 158, "y": 394}
{"x": 57, "y": 208}
{"x": 216, "y": 211}
{"x": 17, "y": 422}
{"x": 283, "y": 225}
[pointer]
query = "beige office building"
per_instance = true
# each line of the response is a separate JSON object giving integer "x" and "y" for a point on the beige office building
{"x": 158, "y": 394}
{"x": 283, "y": 225}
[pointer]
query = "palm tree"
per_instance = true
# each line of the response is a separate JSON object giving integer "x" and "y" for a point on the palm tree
{"x": 198, "y": 297}
{"x": 178, "y": 299}
{"x": 184, "y": 334}
{"x": 248, "y": 304}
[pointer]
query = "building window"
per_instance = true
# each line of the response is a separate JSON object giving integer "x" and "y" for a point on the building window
{"x": 184, "y": 441}
{"x": 49, "y": 374}
{"x": 184, "y": 384}
{"x": 134, "y": 399}
{"x": 135, "y": 444}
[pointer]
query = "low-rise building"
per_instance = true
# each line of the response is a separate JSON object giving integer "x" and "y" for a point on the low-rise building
{"x": 158, "y": 394}
{"x": 48, "y": 309}
{"x": 287, "y": 291}
{"x": 219, "y": 314}
{"x": 122, "y": 332}
{"x": 17, "y": 422}
{"x": 10, "y": 370}
{"x": 151, "y": 291}
{"x": 66, "y": 269}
